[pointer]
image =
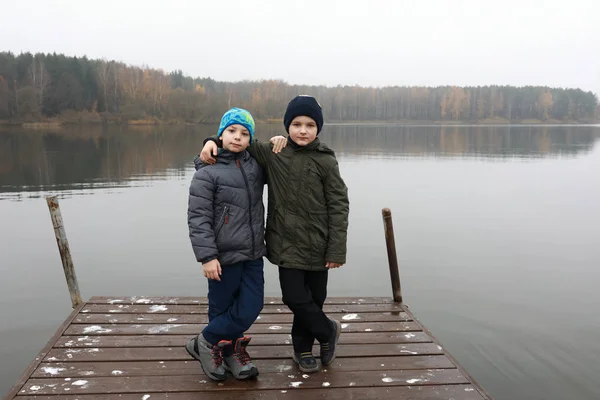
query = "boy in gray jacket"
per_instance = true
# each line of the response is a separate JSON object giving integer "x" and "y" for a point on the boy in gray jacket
{"x": 226, "y": 224}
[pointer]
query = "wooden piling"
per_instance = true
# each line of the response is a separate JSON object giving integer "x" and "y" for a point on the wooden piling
{"x": 391, "y": 252}
{"x": 63, "y": 249}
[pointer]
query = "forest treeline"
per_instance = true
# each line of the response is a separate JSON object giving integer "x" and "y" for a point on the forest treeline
{"x": 41, "y": 87}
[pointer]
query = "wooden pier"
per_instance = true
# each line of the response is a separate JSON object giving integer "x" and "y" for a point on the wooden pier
{"x": 131, "y": 348}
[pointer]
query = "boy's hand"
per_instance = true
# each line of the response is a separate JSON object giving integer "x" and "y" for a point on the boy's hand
{"x": 332, "y": 265}
{"x": 212, "y": 269}
{"x": 209, "y": 152}
{"x": 279, "y": 142}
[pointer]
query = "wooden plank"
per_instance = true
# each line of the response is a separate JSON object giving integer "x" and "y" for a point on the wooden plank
{"x": 279, "y": 381}
{"x": 190, "y": 329}
{"x": 257, "y": 352}
{"x": 121, "y": 318}
{"x": 260, "y": 339}
{"x": 191, "y": 367}
{"x": 42, "y": 354}
{"x": 203, "y": 300}
{"x": 133, "y": 348}
{"x": 434, "y": 392}
{"x": 478, "y": 387}
{"x": 203, "y": 309}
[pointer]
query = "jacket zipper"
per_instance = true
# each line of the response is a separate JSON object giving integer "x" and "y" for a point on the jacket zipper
{"x": 237, "y": 162}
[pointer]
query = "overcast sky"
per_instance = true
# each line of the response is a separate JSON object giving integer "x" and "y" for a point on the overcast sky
{"x": 370, "y": 43}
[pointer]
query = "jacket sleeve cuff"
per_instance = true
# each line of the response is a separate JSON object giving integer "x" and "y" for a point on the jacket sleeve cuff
{"x": 212, "y": 139}
{"x": 206, "y": 259}
{"x": 336, "y": 258}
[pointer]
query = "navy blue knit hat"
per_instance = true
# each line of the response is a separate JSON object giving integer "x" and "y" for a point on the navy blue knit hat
{"x": 303, "y": 105}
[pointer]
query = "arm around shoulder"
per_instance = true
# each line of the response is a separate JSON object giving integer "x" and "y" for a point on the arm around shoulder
{"x": 261, "y": 151}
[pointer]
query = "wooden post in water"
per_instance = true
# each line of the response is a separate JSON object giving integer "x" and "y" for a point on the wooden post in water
{"x": 391, "y": 251}
{"x": 63, "y": 249}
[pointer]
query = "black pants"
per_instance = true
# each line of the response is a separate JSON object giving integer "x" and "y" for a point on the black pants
{"x": 304, "y": 292}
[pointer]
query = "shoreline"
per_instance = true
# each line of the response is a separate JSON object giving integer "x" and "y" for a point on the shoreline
{"x": 55, "y": 124}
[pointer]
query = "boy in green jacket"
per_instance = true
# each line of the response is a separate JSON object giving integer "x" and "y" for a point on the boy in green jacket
{"x": 307, "y": 224}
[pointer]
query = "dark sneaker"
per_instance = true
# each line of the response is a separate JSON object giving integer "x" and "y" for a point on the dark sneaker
{"x": 328, "y": 349}
{"x": 239, "y": 363}
{"x": 306, "y": 362}
{"x": 210, "y": 357}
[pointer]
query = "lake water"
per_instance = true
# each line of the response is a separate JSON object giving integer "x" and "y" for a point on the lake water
{"x": 497, "y": 230}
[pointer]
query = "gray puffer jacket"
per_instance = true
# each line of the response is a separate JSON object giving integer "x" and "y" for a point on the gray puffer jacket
{"x": 226, "y": 216}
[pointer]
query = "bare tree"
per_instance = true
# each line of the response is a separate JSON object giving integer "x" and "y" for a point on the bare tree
{"x": 160, "y": 89}
{"x": 104, "y": 80}
{"x": 132, "y": 81}
{"x": 116, "y": 68}
{"x": 40, "y": 80}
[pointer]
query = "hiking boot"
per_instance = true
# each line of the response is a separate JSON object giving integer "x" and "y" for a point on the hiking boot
{"x": 239, "y": 363}
{"x": 328, "y": 349}
{"x": 210, "y": 357}
{"x": 306, "y": 362}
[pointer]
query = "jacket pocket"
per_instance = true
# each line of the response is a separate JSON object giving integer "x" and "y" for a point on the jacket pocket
{"x": 224, "y": 220}
{"x": 313, "y": 190}
{"x": 318, "y": 231}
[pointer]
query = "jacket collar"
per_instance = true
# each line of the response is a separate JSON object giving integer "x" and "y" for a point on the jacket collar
{"x": 314, "y": 145}
{"x": 226, "y": 156}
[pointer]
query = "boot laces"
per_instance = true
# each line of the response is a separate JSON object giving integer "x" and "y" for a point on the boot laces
{"x": 217, "y": 355}
{"x": 242, "y": 355}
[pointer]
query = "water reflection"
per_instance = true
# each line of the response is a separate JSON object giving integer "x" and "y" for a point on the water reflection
{"x": 464, "y": 141}
{"x": 93, "y": 157}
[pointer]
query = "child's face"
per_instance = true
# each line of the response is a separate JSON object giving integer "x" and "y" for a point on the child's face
{"x": 236, "y": 138}
{"x": 303, "y": 130}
